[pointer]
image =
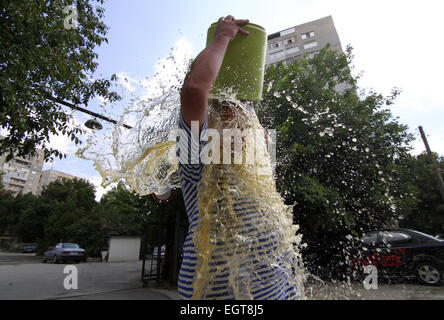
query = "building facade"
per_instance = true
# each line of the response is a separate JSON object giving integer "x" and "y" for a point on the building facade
{"x": 48, "y": 176}
{"x": 22, "y": 174}
{"x": 303, "y": 40}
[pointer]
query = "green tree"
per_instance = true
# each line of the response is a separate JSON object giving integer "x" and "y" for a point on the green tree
{"x": 31, "y": 217}
{"x": 42, "y": 63}
{"x": 337, "y": 150}
{"x": 427, "y": 210}
{"x": 12, "y": 209}
{"x": 125, "y": 212}
{"x": 71, "y": 211}
{"x": 119, "y": 209}
{"x": 7, "y": 208}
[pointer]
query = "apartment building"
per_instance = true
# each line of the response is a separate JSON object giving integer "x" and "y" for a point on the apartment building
{"x": 22, "y": 174}
{"x": 303, "y": 40}
{"x": 48, "y": 176}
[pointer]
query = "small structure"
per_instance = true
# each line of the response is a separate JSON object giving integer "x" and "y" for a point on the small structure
{"x": 124, "y": 248}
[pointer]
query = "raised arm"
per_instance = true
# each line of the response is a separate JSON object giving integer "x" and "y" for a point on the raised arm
{"x": 204, "y": 70}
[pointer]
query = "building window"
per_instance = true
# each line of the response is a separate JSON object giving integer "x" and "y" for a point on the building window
{"x": 18, "y": 180}
{"x": 292, "y": 50}
{"x": 24, "y": 163}
{"x": 16, "y": 188}
{"x": 277, "y": 55}
{"x": 274, "y": 35}
{"x": 288, "y": 31}
{"x": 275, "y": 45}
{"x": 289, "y": 41}
{"x": 310, "y": 45}
{"x": 308, "y": 35}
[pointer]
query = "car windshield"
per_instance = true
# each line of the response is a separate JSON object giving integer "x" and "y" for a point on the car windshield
{"x": 425, "y": 235}
{"x": 370, "y": 238}
{"x": 395, "y": 237}
{"x": 70, "y": 246}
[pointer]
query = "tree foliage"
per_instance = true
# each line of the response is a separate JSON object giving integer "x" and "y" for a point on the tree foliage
{"x": 68, "y": 203}
{"x": 66, "y": 211}
{"x": 121, "y": 213}
{"x": 41, "y": 62}
{"x": 337, "y": 150}
{"x": 8, "y": 205}
{"x": 426, "y": 212}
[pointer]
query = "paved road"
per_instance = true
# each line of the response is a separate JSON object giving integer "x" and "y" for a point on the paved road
{"x": 18, "y": 258}
{"x": 26, "y": 277}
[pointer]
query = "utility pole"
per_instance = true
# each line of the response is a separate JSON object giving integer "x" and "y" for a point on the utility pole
{"x": 434, "y": 163}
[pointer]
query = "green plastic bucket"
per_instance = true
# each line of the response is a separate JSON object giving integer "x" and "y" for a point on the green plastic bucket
{"x": 242, "y": 71}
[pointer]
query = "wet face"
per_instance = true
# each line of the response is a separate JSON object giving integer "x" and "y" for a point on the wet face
{"x": 227, "y": 113}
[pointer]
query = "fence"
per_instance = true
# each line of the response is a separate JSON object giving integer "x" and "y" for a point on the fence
{"x": 162, "y": 249}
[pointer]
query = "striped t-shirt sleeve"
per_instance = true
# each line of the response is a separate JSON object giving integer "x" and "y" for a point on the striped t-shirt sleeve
{"x": 189, "y": 146}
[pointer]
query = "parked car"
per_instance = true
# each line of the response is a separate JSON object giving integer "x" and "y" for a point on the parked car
{"x": 28, "y": 247}
{"x": 440, "y": 236}
{"x": 402, "y": 253}
{"x": 64, "y": 252}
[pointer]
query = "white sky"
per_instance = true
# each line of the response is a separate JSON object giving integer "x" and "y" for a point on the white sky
{"x": 396, "y": 44}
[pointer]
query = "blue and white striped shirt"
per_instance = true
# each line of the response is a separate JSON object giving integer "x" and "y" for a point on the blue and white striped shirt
{"x": 265, "y": 280}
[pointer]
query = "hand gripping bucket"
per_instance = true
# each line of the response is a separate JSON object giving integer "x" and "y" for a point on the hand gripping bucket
{"x": 242, "y": 71}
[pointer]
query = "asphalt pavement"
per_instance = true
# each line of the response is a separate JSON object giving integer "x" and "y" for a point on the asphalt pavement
{"x": 18, "y": 258}
{"x": 25, "y": 277}
{"x": 140, "y": 293}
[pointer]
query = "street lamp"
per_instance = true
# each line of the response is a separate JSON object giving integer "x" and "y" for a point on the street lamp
{"x": 93, "y": 124}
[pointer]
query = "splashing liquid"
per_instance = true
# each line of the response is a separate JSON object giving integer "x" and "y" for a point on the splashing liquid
{"x": 245, "y": 231}
{"x": 245, "y": 235}
{"x": 144, "y": 156}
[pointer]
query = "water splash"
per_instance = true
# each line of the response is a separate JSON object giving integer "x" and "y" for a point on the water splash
{"x": 143, "y": 157}
{"x": 244, "y": 227}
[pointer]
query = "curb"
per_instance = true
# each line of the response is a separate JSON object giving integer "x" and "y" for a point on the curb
{"x": 170, "y": 294}
{"x": 89, "y": 294}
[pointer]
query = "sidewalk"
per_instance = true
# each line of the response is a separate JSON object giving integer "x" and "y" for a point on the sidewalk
{"x": 141, "y": 293}
{"x": 328, "y": 292}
